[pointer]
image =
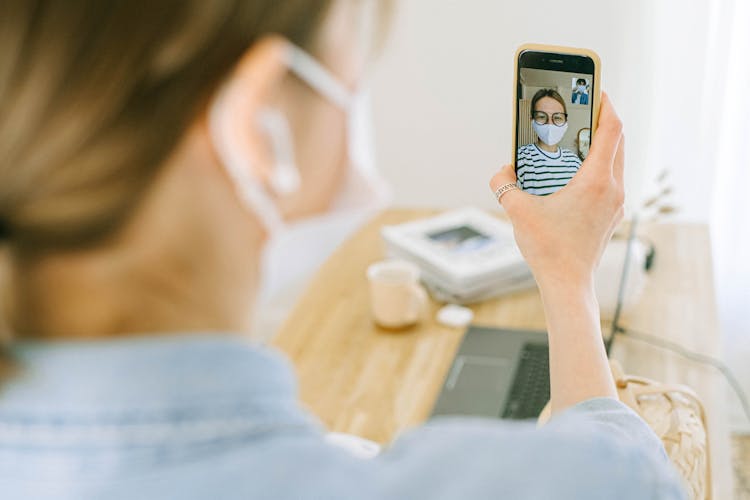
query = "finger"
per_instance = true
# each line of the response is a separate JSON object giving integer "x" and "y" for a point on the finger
{"x": 606, "y": 139}
{"x": 511, "y": 199}
{"x": 618, "y": 168}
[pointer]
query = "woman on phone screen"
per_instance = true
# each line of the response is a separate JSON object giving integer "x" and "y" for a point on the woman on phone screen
{"x": 150, "y": 155}
{"x": 544, "y": 167}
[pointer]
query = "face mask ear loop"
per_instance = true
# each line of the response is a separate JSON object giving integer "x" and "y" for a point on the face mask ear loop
{"x": 353, "y": 104}
{"x": 248, "y": 187}
{"x": 327, "y": 85}
{"x": 318, "y": 77}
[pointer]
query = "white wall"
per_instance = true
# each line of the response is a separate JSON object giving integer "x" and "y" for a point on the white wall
{"x": 443, "y": 90}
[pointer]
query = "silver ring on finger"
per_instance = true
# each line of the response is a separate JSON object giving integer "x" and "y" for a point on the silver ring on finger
{"x": 505, "y": 188}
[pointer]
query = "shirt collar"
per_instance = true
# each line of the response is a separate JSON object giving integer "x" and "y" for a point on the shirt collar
{"x": 155, "y": 376}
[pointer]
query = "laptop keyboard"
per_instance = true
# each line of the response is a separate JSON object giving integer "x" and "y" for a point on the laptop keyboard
{"x": 530, "y": 390}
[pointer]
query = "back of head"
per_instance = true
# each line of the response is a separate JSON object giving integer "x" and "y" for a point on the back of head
{"x": 94, "y": 96}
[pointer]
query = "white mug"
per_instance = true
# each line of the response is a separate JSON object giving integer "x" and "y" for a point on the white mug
{"x": 397, "y": 298}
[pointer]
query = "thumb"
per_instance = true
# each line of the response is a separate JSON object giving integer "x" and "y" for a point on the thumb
{"x": 511, "y": 199}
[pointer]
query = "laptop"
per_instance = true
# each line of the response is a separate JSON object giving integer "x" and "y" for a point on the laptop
{"x": 505, "y": 373}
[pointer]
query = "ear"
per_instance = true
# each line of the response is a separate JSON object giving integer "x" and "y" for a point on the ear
{"x": 234, "y": 109}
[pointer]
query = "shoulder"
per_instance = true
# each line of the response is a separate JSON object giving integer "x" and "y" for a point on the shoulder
{"x": 528, "y": 155}
{"x": 570, "y": 155}
{"x": 570, "y": 459}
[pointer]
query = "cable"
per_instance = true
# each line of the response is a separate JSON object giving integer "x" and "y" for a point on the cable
{"x": 623, "y": 283}
{"x": 693, "y": 356}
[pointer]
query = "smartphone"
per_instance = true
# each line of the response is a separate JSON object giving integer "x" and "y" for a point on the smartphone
{"x": 556, "y": 102}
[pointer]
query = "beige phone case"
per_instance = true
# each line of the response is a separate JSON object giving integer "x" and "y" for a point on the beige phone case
{"x": 596, "y": 97}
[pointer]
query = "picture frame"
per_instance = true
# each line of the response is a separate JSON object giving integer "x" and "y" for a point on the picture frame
{"x": 583, "y": 142}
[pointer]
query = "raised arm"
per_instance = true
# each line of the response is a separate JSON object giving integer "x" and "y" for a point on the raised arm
{"x": 562, "y": 236}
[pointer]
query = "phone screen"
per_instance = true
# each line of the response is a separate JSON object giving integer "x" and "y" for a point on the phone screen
{"x": 554, "y": 113}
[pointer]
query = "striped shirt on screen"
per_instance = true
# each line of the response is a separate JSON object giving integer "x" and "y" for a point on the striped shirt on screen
{"x": 542, "y": 173}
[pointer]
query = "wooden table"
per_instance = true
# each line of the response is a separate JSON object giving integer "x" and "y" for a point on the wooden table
{"x": 363, "y": 380}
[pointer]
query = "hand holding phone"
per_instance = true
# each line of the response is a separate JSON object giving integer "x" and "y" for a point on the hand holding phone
{"x": 562, "y": 236}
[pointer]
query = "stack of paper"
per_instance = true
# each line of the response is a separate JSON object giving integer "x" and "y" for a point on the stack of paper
{"x": 465, "y": 255}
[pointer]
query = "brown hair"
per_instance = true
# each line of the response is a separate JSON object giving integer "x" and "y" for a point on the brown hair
{"x": 542, "y": 93}
{"x": 95, "y": 95}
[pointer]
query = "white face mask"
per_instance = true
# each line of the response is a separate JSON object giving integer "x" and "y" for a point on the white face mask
{"x": 295, "y": 248}
{"x": 550, "y": 134}
{"x": 581, "y": 89}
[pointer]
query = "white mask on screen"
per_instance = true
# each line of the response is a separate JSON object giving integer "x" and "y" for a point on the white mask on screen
{"x": 291, "y": 245}
{"x": 550, "y": 134}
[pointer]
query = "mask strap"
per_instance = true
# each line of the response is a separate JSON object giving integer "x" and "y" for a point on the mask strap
{"x": 286, "y": 179}
{"x": 318, "y": 77}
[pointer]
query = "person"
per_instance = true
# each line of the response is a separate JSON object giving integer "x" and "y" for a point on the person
{"x": 580, "y": 92}
{"x": 544, "y": 167}
{"x": 149, "y": 155}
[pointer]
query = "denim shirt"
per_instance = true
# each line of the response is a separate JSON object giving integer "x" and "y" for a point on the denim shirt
{"x": 211, "y": 416}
